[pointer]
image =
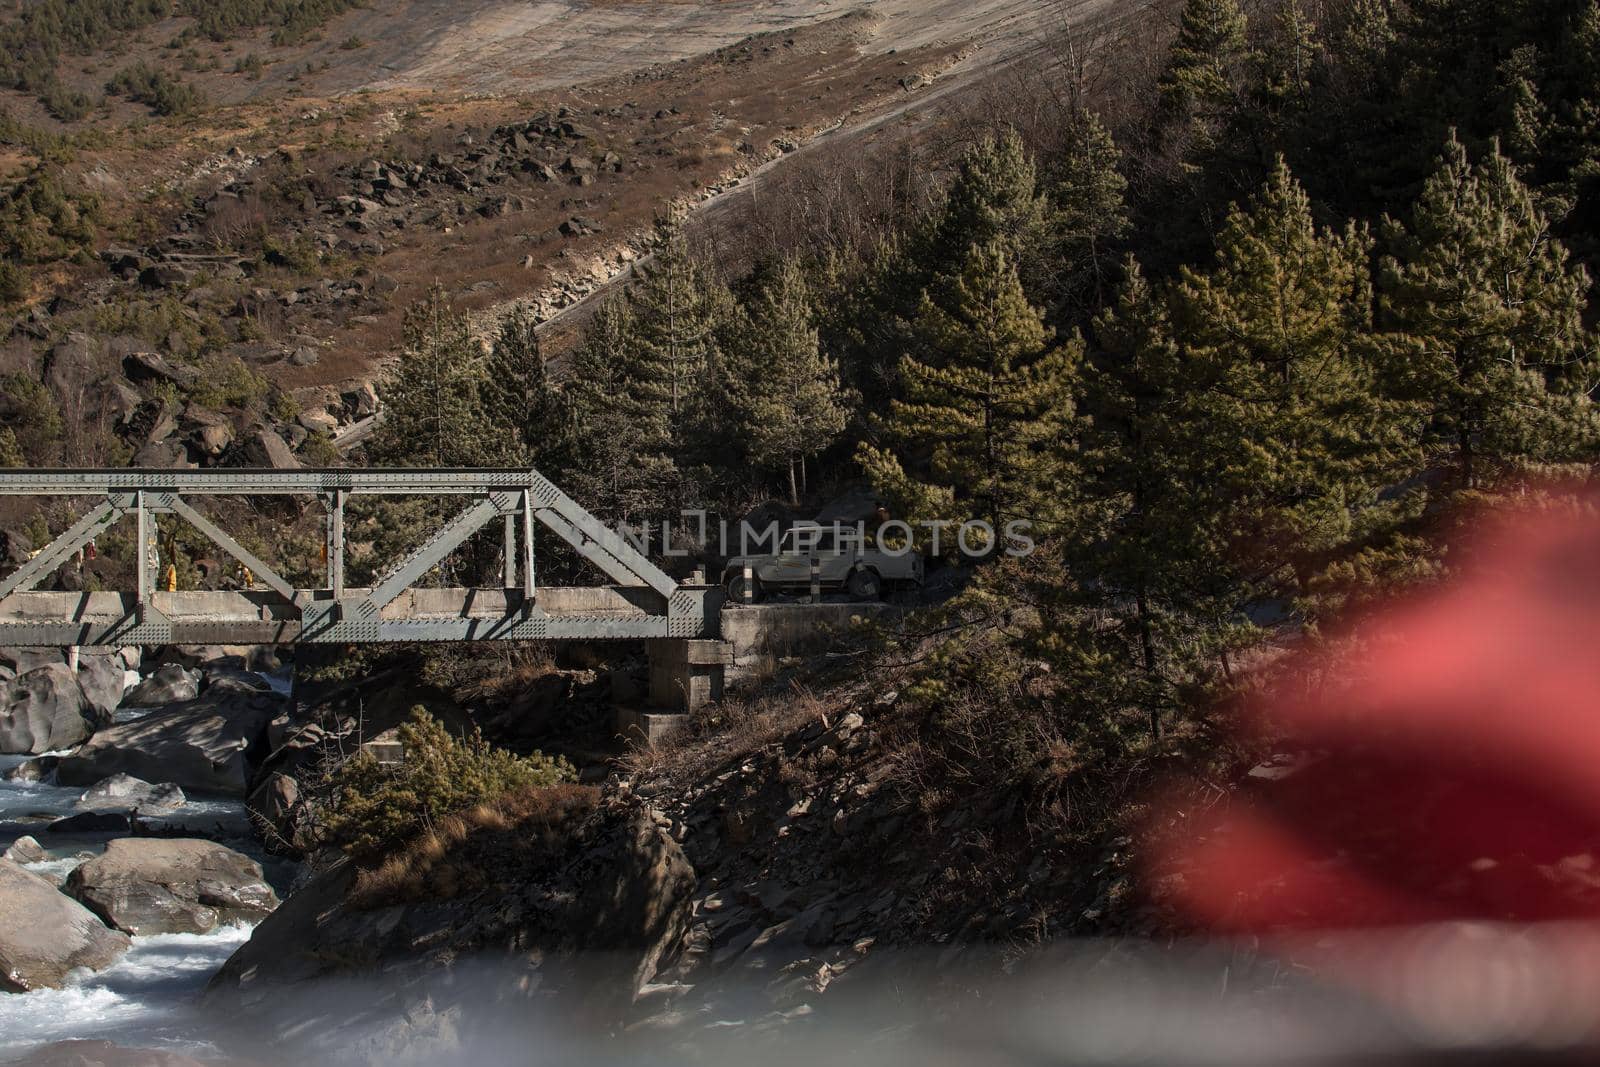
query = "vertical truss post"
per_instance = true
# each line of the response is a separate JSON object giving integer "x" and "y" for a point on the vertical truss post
{"x": 527, "y": 547}
{"x": 510, "y": 553}
{"x": 145, "y": 539}
{"x": 336, "y": 544}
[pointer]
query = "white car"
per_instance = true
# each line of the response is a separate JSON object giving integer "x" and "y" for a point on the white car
{"x": 845, "y": 561}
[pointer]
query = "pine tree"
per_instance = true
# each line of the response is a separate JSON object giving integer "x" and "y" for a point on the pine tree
{"x": 622, "y": 466}
{"x": 521, "y": 406}
{"x": 1088, "y": 213}
{"x": 995, "y": 198}
{"x": 793, "y": 406}
{"x": 1367, "y": 34}
{"x": 1290, "y": 56}
{"x": 1522, "y": 114}
{"x": 432, "y": 413}
{"x": 676, "y": 311}
{"x": 1204, "y": 59}
{"x": 1295, "y": 438}
{"x": 1137, "y": 544}
{"x": 1490, "y": 311}
{"x": 987, "y": 399}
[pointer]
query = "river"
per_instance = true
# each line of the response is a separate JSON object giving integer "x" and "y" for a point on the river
{"x": 146, "y": 999}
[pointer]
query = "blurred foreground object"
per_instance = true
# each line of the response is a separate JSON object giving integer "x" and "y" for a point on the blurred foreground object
{"x": 1430, "y": 830}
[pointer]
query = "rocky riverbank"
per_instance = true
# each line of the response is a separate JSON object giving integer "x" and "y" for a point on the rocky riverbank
{"x": 129, "y": 868}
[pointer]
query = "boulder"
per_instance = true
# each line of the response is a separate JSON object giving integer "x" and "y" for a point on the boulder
{"x": 45, "y": 935}
{"x": 15, "y": 547}
{"x": 143, "y": 886}
{"x": 274, "y": 807}
{"x": 574, "y": 919}
{"x": 124, "y": 792}
{"x": 172, "y": 683}
{"x": 205, "y": 745}
{"x": 213, "y": 440}
{"x": 103, "y": 677}
{"x": 162, "y": 455}
{"x": 42, "y": 710}
{"x": 361, "y": 401}
{"x": 150, "y": 367}
{"x": 93, "y": 822}
{"x": 265, "y": 448}
{"x": 38, "y": 769}
{"x": 25, "y": 850}
{"x": 72, "y": 364}
{"x": 101, "y": 673}
{"x": 319, "y": 422}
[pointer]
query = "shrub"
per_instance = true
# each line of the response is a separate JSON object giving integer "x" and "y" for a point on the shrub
{"x": 10, "y": 451}
{"x": 228, "y": 382}
{"x": 42, "y": 220}
{"x": 156, "y": 89}
{"x": 67, "y": 105}
{"x": 378, "y": 808}
{"x": 13, "y": 282}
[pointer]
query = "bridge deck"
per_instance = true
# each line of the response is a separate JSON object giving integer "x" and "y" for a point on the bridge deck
{"x": 263, "y": 617}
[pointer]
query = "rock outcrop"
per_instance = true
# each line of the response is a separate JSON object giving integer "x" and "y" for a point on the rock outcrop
{"x": 102, "y": 673}
{"x": 172, "y": 683}
{"x": 148, "y": 886}
{"x": 206, "y": 745}
{"x": 43, "y": 710}
{"x": 46, "y": 935}
{"x": 275, "y": 808}
{"x": 124, "y": 792}
{"x": 572, "y": 921}
{"x": 25, "y": 849}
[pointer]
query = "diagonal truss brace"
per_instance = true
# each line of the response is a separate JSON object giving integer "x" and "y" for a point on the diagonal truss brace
{"x": 403, "y": 574}
{"x": 268, "y": 577}
{"x": 620, "y": 561}
{"x": 57, "y": 552}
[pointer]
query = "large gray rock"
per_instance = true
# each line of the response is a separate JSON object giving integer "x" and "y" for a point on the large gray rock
{"x": 38, "y": 769}
{"x": 146, "y": 885}
{"x": 103, "y": 677}
{"x": 43, "y": 710}
{"x": 172, "y": 683}
{"x": 265, "y": 448}
{"x": 204, "y": 746}
{"x": 124, "y": 792}
{"x": 275, "y": 809}
{"x": 25, "y": 850}
{"x": 102, "y": 673}
{"x": 571, "y": 919}
{"x": 45, "y": 934}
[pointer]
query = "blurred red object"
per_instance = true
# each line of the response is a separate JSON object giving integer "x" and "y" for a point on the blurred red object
{"x": 1450, "y": 757}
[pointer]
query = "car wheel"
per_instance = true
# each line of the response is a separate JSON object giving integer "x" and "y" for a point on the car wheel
{"x": 736, "y": 589}
{"x": 865, "y": 585}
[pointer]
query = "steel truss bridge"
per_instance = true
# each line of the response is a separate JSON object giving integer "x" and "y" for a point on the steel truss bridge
{"x": 641, "y": 603}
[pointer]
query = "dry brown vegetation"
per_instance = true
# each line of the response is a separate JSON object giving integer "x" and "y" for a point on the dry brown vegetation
{"x": 723, "y": 734}
{"x": 480, "y": 848}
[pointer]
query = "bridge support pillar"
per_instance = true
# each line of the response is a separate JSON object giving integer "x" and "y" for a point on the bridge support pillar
{"x": 687, "y": 674}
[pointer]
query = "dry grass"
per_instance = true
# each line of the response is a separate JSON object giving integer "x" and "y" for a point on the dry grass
{"x": 480, "y": 848}
{"x": 729, "y": 732}
{"x": 511, "y": 672}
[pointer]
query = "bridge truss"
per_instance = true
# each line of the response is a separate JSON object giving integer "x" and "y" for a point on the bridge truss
{"x": 643, "y": 602}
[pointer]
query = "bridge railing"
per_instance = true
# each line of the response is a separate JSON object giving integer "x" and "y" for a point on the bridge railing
{"x": 644, "y": 602}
